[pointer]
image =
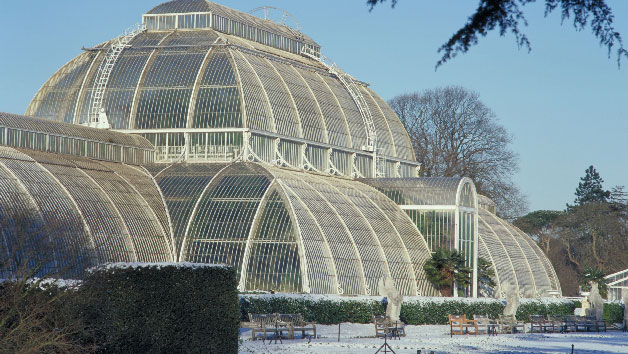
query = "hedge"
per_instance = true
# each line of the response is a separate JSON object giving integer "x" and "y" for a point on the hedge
{"x": 329, "y": 309}
{"x": 613, "y": 312}
{"x": 161, "y": 308}
{"x": 321, "y": 310}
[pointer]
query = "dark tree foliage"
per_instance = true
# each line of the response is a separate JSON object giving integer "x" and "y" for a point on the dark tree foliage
{"x": 567, "y": 272}
{"x": 454, "y": 133}
{"x": 596, "y": 235}
{"x": 589, "y": 239}
{"x": 507, "y": 16}
{"x": 541, "y": 225}
{"x": 590, "y": 188}
{"x": 446, "y": 268}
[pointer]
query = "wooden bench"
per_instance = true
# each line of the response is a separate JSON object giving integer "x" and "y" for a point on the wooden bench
{"x": 559, "y": 322}
{"x": 485, "y": 324}
{"x": 384, "y": 327}
{"x": 589, "y": 324}
{"x": 598, "y": 325}
{"x": 540, "y": 324}
{"x": 266, "y": 323}
{"x": 571, "y": 323}
{"x": 296, "y": 323}
{"x": 509, "y": 324}
{"x": 459, "y": 324}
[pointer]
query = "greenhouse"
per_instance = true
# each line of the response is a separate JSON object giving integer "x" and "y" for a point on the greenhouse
{"x": 290, "y": 231}
{"x": 444, "y": 209}
{"x": 211, "y": 135}
{"x": 221, "y": 91}
{"x": 617, "y": 283}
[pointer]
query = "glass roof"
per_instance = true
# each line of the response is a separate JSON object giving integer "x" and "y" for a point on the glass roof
{"x": 329, "y": 234}
{"x": 97, "y": 211}
{"x": 181, "y": 6}
{"x": 57, "y": 128}
{"x": 427, "y": 190}
{"x": 191, "y": 6}
{"x": 185, "y": 80}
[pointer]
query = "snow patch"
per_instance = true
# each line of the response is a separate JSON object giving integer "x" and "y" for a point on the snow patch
{"x": 157, "y": 265}
{"x": 406, "y": 299}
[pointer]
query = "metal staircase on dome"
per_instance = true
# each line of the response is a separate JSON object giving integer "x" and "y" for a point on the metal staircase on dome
{"x": 97, "y": 115}
{"x": 352, "y": 87}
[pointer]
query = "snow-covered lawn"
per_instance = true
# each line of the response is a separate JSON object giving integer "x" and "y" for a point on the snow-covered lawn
{"x": 359, "y": 338}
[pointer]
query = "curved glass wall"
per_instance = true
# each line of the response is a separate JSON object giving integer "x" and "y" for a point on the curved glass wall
{"x": 97, "y": 212}
{"x": 292, "y": 231}
{"x": 207, "y": 86}
{"x": 517, "y": 259}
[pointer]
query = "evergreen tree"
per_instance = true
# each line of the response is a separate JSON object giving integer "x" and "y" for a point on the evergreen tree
{"x": 590, "y": 188}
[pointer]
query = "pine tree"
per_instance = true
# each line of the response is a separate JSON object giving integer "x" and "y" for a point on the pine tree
{"x": 590, "y": 188}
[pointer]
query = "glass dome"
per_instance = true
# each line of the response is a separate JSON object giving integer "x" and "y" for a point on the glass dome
{"x": 220, "y": 89}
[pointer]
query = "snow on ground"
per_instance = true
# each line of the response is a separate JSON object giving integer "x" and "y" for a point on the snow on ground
{"x": 359, "y": 339}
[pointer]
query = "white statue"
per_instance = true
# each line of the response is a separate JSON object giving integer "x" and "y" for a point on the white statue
{"x": 386, "y": 287}
{"x": 585, "y": 308}
{"x": 597, "y": 303}
{"x": 512, "y": 301}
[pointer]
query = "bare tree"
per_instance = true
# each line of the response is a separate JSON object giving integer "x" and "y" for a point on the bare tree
{"x": 454, "y": 134}
{"x": 35, "y": 311}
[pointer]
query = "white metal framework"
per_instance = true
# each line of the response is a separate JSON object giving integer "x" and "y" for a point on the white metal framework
{"x": 69, "y": 139}
{"x": 616, "y": 282}
{"x": 97, "y": 114}
{"x": 233, "y": 109}
{"x": 71, "y": 213}
{"x": 517, "y": 260}
{"x": 351, "y": 85}
{"x": 202, "y": 90}
{"x": 292, "y": 231}
{"x": 279, "y": 16}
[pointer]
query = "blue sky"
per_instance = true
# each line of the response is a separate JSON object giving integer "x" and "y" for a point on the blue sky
{"x": 565, "y": 103}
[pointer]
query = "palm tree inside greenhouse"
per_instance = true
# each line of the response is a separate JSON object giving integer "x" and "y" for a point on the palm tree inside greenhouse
{"x": 446, "y": 270}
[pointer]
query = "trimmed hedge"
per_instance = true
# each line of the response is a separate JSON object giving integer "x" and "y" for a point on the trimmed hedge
{"x": 161, "y": 308}
{"x": 321, "y": 311}
{"x": 613, "y": 313}
{"x": 414, "y": 310}
{"x": 437, "y": 312}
